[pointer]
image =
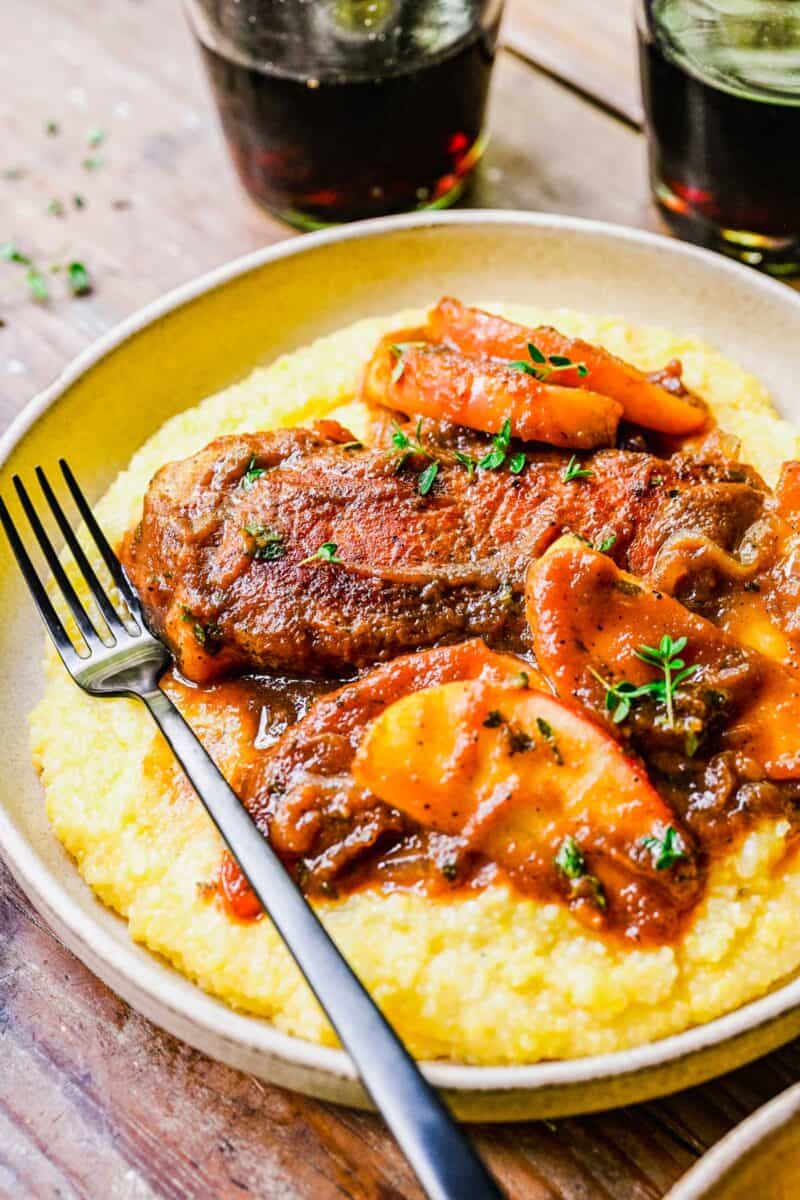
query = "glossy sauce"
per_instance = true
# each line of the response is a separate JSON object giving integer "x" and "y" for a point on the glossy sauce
{"x": 336, "y": 840}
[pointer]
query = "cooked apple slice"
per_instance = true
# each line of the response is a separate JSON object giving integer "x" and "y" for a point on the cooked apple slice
{"x": 525, "y": 779}
{"x": 431, "y": 381}
{"x": 591, "y": 623}
{"x": 645, "y": 403}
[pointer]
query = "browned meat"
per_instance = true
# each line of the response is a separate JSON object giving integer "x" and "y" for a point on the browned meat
{"x": 335, "y": 834}
{"x": 224, "y": 557}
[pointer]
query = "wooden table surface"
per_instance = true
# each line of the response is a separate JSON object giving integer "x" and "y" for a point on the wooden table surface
{"x": 94, "y": 1101}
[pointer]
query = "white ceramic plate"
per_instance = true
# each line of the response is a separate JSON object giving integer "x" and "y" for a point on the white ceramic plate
{"x": 758, "y": 1160}
{"x": 205, "y": 335}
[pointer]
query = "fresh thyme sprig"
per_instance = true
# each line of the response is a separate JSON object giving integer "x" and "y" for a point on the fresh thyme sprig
{"x": 466, "y": 461}
{"x": 675, "y": 671}
{"x": 264, "y": 544}
{"x": 548, "y": 733}
{"x": 542, "y": 366}
{"x": 408, "y": 446}
{"x": 501, "y": 441}
{"x": 574, "y": 471}
{"x": 666, "y": 849}
{"x": 570, "y": 862}
{"x": 569, "y": 858}
{"x": 621, "y": 696}
{"x": 325, "y": 553}
{"x": 251, "y": 474}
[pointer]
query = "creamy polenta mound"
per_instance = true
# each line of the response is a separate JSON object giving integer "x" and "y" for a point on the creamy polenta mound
{"x": 491, "y": 977}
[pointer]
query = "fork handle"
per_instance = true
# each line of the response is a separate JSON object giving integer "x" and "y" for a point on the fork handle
{"x": 442, "y": 1157}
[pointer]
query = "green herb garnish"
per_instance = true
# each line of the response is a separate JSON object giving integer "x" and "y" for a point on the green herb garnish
{"x": 251, "y": 474}
{"x": 570, "y": 862}
{"x": 427, "y": 477}
{"x": 574, "y": 471}
{"x": 95, "y": 137}
{"x": 205, "y": 635}
{"x": 542, "y": 366}
{"x": 667, "y": 849}
{"x": 408, "y": 446}
{"x": 324, "y": 553}
{"x": 606, "y": 544}
{"x": 620, "y": 696}
{"x": 92, "y": 162}
{"x": 547, "y": 732}
{"x": 37, "y": 285}
{"x": 518, "y": 740}
{"x": 517, "y": 463}
{"x": 466, "y": 461}
{"x": 501, "y": 441}
{"x": 267, "y": 544}
{"x": 11, "y": 252}
{"x": 52, "y": 128}
{"x": 56, "y": 207}
{"x": 664, "y": 657}
{"x": 569, "y": 859}
{"x": 78, "y": 276}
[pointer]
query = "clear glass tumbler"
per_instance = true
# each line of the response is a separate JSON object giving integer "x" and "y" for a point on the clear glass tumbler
{"x": 721, "y": 87}
{"x": 340, "y": 109}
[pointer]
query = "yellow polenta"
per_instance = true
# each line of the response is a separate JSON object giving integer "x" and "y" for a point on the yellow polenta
{"x": 489, "y": 978}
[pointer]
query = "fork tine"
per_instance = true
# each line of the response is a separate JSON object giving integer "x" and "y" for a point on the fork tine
{"x": 112, "y": 617}
{"x": 67, "y": 590}
{"x": 109, "y": 557}
{"x": 58, "y": 633}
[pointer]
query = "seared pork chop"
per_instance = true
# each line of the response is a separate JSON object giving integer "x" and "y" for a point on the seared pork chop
{"x": 301, "y": 550}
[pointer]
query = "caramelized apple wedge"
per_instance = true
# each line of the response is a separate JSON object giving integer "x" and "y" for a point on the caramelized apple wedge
{"x": 591, "y": 625}
{"x": 417, "y": 378}
{"x": 643, "y": 402}
{"x": 531, "y": 783}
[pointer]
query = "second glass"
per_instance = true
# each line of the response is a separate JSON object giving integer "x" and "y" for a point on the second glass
{"x": 336, "y": 110}
{"x": 721, "y": 88}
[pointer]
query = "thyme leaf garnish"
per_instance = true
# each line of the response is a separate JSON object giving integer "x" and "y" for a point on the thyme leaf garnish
{"x": 666, "y": 849}
{"x": 324, "y": 553}
{"x": 542, "y": 366}
{"x": 574, "y": 471}
{"x": 621, "y": 696}
{"x": 251, "y": 474}
{"x": 569, "y": 859}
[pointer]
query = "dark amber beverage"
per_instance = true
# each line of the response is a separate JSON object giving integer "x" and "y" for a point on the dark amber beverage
{"x": 721, "y": 89}
{"x": 343, "y": 109}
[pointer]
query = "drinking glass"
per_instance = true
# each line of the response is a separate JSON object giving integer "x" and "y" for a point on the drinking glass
{"x": 339, "y": 109}
{"x": 721, "y": 88}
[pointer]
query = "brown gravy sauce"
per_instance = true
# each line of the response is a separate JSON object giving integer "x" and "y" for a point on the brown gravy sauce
{"x": 405, "y": 857}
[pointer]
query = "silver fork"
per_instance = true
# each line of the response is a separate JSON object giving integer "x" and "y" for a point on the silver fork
{"x": 128, "y": 661}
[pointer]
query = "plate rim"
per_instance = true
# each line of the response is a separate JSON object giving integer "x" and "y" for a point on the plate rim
{"x": 717, "y": 1163}
{"x": 99, "y": 947}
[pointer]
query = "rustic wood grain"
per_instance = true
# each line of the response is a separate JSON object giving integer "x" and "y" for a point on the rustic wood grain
{"x": 95, "y": 1101}
{"x": 589, "y": 43}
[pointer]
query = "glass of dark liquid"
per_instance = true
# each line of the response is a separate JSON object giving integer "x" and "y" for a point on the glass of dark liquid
{"x": 721, "y": 85}
{"x": 336, "y": 110}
